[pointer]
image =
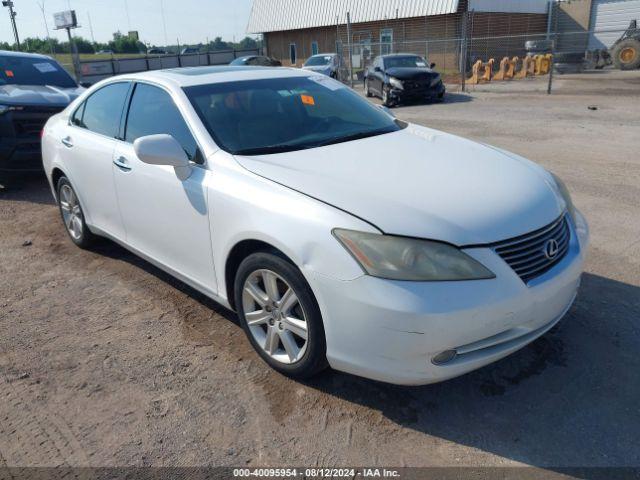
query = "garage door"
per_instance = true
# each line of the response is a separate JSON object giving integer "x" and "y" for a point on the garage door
{"x": 609, "y": 18}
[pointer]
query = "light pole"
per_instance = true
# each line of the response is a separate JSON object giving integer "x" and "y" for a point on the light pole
{"x": 12, "y": 16}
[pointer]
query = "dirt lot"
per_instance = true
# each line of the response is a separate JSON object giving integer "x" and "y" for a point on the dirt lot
{"x": 106, "y": 361}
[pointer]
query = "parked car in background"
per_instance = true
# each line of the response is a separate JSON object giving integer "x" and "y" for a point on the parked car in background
{"x": 399, "y": 78}
{"x": 104, "y": 52}
{"x": 157, "y": 51}
{"x": 257, "y": 60}
{"x": 339, "y": 234}
{"x": 32, "y": 88}
{"x": 189, "y": 51}
{"x": 329, "y": 64}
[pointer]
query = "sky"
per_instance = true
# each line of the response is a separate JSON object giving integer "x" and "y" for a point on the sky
{"x": 190, "y": 21}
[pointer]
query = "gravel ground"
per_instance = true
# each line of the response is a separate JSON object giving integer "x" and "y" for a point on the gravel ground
{"x": 107, "y": 361}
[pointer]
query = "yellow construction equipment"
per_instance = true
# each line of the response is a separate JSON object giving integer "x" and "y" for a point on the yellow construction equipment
{"x": 543, "y": 64}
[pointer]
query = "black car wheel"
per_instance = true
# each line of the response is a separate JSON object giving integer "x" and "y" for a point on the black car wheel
{"x": 367, "y": 92}
{"x": 386, "y": 97}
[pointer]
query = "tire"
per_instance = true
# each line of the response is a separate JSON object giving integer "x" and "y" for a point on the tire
{"x": 277, "y": 319}
{"x": 386, "y": 99}
{"x": 626, "y": 54}
{"x": 367, "y": 92}
{"x": 73, "y": 215}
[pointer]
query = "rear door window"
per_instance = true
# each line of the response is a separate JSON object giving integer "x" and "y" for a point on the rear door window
{"x": 103, "y": 110}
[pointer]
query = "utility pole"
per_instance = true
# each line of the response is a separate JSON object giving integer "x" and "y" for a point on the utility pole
{"x": 12, "y": 16}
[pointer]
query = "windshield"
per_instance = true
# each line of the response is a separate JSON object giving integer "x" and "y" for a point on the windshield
{"x": 33, "y": 71}
{"x": 318, "y": 60}
{"x": 240, "y": 61}
{"x": 256, "y": 117}
{"x": 410, "y": 61}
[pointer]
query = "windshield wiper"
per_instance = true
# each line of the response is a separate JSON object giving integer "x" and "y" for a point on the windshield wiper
{"x": 354, "y": 136}
{"x": 279, "y": 148}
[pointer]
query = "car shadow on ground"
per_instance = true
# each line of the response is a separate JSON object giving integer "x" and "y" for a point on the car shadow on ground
{"x": 33, "y": 189}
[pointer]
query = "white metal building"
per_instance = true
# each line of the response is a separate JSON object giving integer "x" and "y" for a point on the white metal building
{"x": 609, "y": 18}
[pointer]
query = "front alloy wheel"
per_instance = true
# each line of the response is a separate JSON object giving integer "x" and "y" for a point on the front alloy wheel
{"x": 280, "y": 315}
{"x": 275, "y": 316}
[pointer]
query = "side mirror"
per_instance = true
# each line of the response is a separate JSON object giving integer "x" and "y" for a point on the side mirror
{"x": 433, "y": 65}
{"x": 85, "y": 84}
{"x": 163, "y": 149}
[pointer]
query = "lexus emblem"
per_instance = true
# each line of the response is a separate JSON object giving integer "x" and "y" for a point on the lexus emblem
{"x": 551, "y": 248}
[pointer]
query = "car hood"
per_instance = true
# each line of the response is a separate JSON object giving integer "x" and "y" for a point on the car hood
{"x": 411, "y": 73}
{"x": 422, "y": 183}
{"x": 40, "y": 95}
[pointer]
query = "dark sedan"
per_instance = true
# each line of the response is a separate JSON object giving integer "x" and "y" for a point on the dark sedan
{"x": 257, "y": 60}
{"x": 400, "y": 78}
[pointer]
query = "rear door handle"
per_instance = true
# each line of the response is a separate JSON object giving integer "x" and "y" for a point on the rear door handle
{"x": 122, "y": 164}
{"x": 66, "y": 141}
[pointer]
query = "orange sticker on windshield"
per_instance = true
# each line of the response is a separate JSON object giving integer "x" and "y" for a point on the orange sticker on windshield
{"x": 9, "y": 73}
{"x": 307, "y": 99}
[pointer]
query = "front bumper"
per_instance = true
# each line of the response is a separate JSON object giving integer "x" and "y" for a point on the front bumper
{"x": 20, "y": 146}
{"x": 391, "y": 330}
{"x": 417, "y": 94}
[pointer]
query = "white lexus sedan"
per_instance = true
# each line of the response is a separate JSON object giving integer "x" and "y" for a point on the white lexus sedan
{"x": 340, "y": 235}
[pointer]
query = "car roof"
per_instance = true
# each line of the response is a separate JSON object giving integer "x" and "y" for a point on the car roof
{"x": 10, "y": 53}
{"x": 190, "y": 76}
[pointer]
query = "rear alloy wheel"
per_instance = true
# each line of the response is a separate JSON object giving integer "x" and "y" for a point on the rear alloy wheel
{"x": 626, "y": 54}
{"x": 72, "y": 215}
{"x": 280, "y": 315}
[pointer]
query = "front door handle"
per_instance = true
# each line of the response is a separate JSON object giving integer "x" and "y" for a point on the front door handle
{"x": 66, "y": 141}
{"x": 122, "y": 163}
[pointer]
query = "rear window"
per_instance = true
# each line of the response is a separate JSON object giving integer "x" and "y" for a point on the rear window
{"x": 33, "y": 71}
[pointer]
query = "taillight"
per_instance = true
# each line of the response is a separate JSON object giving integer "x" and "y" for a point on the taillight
{"x": 41, "y": 133}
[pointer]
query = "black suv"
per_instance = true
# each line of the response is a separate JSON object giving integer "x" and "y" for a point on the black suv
{"x": 32, "y": 88}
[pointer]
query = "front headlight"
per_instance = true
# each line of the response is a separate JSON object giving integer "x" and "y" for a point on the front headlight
{"x": 436, "y": 80}
{"x": 395, "y": 83}
{"x": 402, "y": 258}
{"x": 566, "y": 196}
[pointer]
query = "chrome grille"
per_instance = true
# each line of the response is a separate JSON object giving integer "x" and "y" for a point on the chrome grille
{"x": 527, "y": 254}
